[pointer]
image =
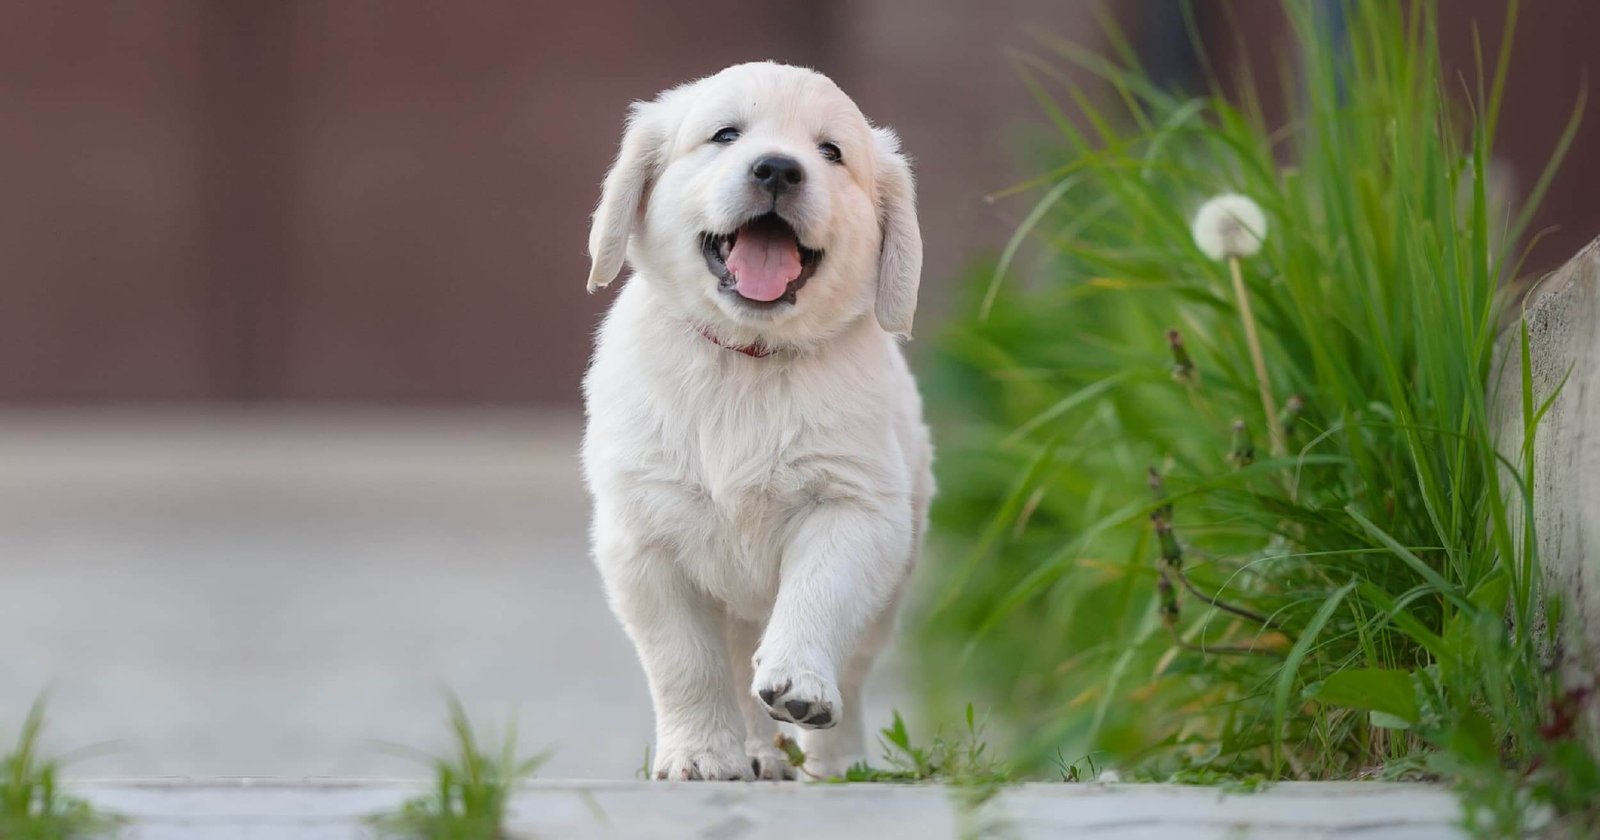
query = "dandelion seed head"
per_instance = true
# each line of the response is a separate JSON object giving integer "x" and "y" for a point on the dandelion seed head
{"x": 1228, "y": 226}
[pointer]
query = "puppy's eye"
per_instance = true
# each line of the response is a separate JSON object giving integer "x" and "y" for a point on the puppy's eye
{"x": 831, "y": 153}
{"x": 725, "y": 135}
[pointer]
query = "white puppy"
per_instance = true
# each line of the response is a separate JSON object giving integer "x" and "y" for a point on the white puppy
{"x": 755, "y": 445}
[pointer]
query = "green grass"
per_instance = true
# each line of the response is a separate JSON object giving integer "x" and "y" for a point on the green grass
{"x": 1113, "y": 578}
{"x": 964, "y": 759}
{"x": 32, "y": 806}
{"x": 472, "y": 787}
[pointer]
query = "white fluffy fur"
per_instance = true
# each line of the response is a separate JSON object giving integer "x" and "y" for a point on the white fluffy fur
{"x": 755, "y": 519}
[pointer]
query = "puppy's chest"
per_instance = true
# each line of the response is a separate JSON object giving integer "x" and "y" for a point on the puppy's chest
{"x": 720, "y": 470}
{"x": 742, "y": 485}
{"x": 733, "y": 506}
{"x": 743, "y": 458}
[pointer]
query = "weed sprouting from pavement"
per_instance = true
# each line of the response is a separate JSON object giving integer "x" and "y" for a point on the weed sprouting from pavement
{"x": 964, "y": 759}
{"x": 472, "y": 786}
{"x": 32, "y": 805}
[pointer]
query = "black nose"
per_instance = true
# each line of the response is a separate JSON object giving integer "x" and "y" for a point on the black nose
{"x": 776, "y": 173}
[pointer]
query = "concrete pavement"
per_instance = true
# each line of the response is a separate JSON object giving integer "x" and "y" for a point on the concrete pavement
{"x": 333, "y": 810}
{"x": 244, "y": 593}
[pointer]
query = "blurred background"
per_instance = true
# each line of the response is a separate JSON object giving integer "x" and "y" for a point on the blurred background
{"x": 292, "y": 322}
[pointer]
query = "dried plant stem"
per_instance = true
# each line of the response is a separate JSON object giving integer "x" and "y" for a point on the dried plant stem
{"x": 797, "y": 758}
{"x": 1220, "y": 604}
{"x": 1171, "y": 566}
{"x": 1269, "y": 405}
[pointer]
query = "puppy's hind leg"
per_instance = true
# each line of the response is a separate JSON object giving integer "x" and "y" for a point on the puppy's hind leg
{"x": 767, "y": 761}
{"x": 678, "y": 633}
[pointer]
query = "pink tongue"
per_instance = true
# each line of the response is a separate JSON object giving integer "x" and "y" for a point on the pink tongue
{"x": 763, "y": 261}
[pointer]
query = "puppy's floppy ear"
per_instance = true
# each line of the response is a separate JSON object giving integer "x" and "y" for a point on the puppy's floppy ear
{"x": 900, "y": 258}
{"x": 622, "y": 198}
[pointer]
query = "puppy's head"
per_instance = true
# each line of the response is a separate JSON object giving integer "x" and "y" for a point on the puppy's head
{"x": 760, "y": 202}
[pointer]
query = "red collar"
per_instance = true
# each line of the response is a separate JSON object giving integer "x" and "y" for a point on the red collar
{"x": 754, "y": 351}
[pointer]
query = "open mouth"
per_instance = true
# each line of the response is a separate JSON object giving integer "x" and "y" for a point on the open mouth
{"x": 762, "y": 263}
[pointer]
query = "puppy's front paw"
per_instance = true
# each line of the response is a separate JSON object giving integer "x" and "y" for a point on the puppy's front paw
{"x": 797, "y": 696}
{"x": 684, "y": 765}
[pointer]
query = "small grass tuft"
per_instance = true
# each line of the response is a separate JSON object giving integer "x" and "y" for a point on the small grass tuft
{"x": 962, "y": 760}
{"x": 32, "y": 806}
{"x": 1084, "y": 769}
{"x": 471, "y": 787}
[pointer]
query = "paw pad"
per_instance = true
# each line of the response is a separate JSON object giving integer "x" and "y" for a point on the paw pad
{"x": 805, "y": 700}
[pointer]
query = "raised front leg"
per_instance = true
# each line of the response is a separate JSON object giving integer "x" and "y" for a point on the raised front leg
{"x": 678, "y": 633}
{"x": 841, "y": 568}
{"x": 830, "y": 752}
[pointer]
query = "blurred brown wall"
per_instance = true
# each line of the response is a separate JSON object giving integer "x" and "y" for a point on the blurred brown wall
{"x": 103, "y": 202}
{"x": 268, "y": 200}
{"x": 319, "y": 199}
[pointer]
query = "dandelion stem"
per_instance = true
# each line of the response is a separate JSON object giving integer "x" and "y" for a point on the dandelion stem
{"x": 1269, "y": 411}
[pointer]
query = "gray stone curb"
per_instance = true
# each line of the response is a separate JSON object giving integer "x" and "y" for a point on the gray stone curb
{"x": 259, "y": 809}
